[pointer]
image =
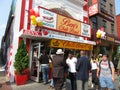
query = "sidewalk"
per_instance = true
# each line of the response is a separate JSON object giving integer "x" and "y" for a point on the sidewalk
{"x": 31, "y": 85}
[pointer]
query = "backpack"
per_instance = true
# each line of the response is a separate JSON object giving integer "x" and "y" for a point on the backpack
{"x": 108, "y": 65}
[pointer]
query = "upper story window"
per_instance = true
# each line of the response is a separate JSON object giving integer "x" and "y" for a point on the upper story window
{"x": 111, "y": 9}
{"x": 112, "y": 28}
{"x": 94, "y": 23}
{"x": 103, "y": 4}
{"x": 104, "y": 25}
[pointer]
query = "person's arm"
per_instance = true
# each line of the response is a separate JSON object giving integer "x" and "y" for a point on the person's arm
{"x": 98, "y": 72}
{"x": 77, "y": 65}
{"x": 113, "y": 73}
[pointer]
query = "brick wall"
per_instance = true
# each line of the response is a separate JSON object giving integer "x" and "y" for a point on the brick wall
{"x": 118, "y": 24}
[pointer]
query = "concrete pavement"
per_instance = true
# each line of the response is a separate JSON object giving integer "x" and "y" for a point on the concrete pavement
{"x": 31, "y": 85}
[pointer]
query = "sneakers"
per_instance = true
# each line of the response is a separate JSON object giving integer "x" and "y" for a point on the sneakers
{"x": 50, "y": 88}
{"x": 92, "y": 85}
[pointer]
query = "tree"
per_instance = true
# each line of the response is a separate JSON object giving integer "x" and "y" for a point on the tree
{"x": 21, "y": 58}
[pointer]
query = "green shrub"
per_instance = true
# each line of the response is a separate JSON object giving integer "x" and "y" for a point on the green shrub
{"x": 21, "y": 58}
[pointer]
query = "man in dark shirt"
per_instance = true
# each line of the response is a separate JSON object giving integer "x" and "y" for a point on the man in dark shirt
{"x": 58, "y": 69}
{"x": 82, "y": 67}
{"x": 44, "y": 61}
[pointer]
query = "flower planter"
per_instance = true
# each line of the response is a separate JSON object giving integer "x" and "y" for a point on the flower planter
{"x": 21, "y": 79}
{"x": 26, "y": 71}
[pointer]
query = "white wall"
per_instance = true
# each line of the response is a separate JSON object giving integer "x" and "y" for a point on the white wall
{"x": 15, "y": 36}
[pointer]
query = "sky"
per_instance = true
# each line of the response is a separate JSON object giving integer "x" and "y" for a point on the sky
{"x": 4, "y": 12}
{"x": 5, "y": 9}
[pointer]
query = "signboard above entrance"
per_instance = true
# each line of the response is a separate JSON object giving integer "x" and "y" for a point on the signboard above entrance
{"x": 60, "y": 23}
{"x": 68, "y": 25}
{"x": 70, "y": 45}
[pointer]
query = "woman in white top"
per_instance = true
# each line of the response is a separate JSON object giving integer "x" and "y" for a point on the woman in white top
{"x": 94, "y": 64}
{"x": 71, "y": 62}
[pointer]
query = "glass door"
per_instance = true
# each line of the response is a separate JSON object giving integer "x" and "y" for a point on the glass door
{"x": 34, "y": 62}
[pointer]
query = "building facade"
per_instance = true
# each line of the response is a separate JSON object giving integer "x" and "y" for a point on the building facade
{"x": 103, "y": 18}
{"x": 48, "y": 25}
{"x": 118, "y": 24}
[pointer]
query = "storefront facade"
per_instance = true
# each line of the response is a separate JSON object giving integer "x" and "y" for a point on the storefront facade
{"x": 69, "y": 30}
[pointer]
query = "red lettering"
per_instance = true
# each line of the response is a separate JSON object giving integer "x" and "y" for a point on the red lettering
{"x": 68, "y": 26}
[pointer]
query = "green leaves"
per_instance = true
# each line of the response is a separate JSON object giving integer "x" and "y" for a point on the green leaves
{"x": 21, "y": 58}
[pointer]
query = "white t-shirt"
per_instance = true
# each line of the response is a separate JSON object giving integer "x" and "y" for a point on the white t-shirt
{"x": 94, "y": 65}
{"x": 71, "y": 64}
{"x": 105, "y": 70}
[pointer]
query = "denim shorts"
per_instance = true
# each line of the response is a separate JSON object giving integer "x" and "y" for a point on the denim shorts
{"x": 106, "y": 82}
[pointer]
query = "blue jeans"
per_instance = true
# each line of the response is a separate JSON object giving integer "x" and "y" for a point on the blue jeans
{"x": 52, "y": 83}
{"x": 45, "y": 72}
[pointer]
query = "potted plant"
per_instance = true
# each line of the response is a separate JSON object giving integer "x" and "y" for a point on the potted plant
{"x": 21, "y": 64}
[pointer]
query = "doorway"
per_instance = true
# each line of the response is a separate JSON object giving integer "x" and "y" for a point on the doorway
{"x": 34, "y": 62}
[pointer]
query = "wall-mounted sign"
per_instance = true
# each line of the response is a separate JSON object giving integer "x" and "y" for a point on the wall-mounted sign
{"x": 68, "y": 25}
{"x": 94, "y": 1}
{"x": 32, "y": 33}
{"x": 93, "y": 9}
{"x": 85, "y": 30}
{"x": 117, "y": 41}
{"x": 110, "y": 39}
{"x": 70, "y": 45}
{"x": 49, "y": 18}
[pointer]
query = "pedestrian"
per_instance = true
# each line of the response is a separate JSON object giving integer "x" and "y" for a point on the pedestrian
{"x": 105, "y": 72}
{"x": 94, "y": 65}
{"x": 51, "y": 65}
{"x": 58, "y": 70}
{"x": 83, "y": 67}
{"x": 99, "y": 57}
{"x": 118, "y": 73}
{"x": 71, "y": 62}
{"x": 44, "y": 61}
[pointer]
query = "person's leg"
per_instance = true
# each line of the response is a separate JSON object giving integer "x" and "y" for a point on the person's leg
{"x": 43, "y": 74}
{"x": 55, "y": 83}
{"x": 102, "y": 83}
{"x": 79, "y": 85}
{"x": 58, "y": 83}
{"x": 85, "y": 85}
{"x": 73, "y": 80}
{"x": 46, "y": 73}
{"x": 110, "y": 84}
{"x": 51, "y": 83}
{"x": 92, "y": 78}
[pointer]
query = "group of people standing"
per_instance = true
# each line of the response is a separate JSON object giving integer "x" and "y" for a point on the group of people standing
{"x": 78, "y": 70}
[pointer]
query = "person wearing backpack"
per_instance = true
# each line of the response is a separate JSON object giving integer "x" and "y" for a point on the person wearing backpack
{"x": 105, "y": 72}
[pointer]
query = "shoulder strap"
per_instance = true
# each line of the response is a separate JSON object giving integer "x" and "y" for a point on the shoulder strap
{"x": 109, "y": 66}
{"x": 100, "y": 66}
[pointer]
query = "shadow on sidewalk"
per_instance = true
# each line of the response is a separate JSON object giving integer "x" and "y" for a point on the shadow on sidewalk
{"x": 5, "y": 86}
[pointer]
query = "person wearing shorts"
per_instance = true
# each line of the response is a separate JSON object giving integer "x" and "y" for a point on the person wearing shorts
{"x": 105, "y": 72}
{"x": 106, "y": 82}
